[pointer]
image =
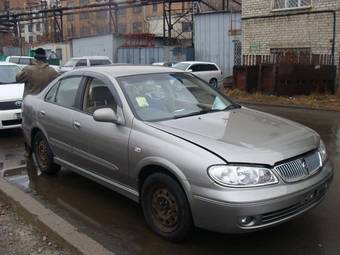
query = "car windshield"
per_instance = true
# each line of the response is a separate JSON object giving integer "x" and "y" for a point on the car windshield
{"x": 8, "y": 73}
{"x": 163, "y": 96}
{"x": 181, "y": 66}
{"x": 70, "y": 63}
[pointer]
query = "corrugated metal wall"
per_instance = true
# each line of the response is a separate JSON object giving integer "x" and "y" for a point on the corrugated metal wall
{"x": 213, "y": 41}
{"x": 151, "y": 55}
{"x": 140, "y": 55}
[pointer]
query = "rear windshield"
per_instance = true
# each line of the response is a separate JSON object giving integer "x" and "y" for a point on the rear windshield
{"x": 14, "y": 60}
{"x": 8, "y": 73}
{"x": 181, "y": 66}
{"x": 25, "y": 61}
{"x": 70, "y": 63}
{"x": 99, "y": 62}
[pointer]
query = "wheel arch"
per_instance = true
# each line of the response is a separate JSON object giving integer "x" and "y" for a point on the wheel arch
{"x": 155, "y": 165}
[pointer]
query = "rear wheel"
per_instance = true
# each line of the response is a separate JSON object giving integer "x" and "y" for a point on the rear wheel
{"x": 213, "y": 83}
{"x": 43, "y": 156}
{"x": 165, "y": 207}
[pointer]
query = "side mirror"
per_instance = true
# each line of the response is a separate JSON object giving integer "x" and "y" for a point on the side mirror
{"x": 189, "y": 70}
{"x": 106, "y": 115}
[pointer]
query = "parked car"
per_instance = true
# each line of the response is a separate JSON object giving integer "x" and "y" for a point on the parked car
{"x": 82, "y": 62}
{"x": 169, "y": 64}
{"x": 23, "y": 61}
{"x": 184, "y": 151}
{"x": 11, "y": 94}
{"x": 209, "y": 72}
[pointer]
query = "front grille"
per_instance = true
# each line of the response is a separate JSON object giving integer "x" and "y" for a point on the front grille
{"x": 301, "y": 168}
{"x": 11, "y": 122}
{"x": 308, "y": 200}
{"x": 10, "y": 105}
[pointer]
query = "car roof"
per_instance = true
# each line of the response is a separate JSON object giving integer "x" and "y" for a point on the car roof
{"x": 20, "y": 57}
{"x": 196, "y": 62}
{"x": 7, "y": 64}
{"x": 116, "y": 71}
{"x": 92, "y": 57}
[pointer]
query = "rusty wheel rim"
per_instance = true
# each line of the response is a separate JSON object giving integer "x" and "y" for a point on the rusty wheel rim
{"x": 164, "y": 209}
{"x": 42, "y": 154}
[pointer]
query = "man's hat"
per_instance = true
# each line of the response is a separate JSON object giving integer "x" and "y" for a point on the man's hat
{"x": 39, "y": 53}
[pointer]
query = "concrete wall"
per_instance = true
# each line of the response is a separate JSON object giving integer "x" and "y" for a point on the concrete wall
{"x": 314, "y": 31}
{"x": 64, "y": 47}
{"x": 105, "y": 45}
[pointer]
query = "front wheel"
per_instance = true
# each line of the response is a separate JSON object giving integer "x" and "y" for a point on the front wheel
{"x": 213, "y": 83}
{"x": 165, "y": 207}
{"x": 43, "y": 156}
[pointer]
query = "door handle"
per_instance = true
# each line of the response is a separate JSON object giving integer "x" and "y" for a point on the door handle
{"x": 76, "y": 124}
{"x": 42, "y": 113}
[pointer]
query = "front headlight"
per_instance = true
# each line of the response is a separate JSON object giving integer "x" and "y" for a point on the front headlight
{"x": 322, "y": 151}
{"x": 241, "y": 176}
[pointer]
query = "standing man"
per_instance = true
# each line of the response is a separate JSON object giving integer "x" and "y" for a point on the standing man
{"x": 37, "y": 76}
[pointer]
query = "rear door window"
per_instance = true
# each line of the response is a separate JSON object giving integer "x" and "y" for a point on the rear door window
{"x": 25, "y": 61}
{"x": 67, "y": 92}
{"x": 81, "y": 62}
{"x": 209, "y": 67}
{"x": 197, "y": 68}
{"x": 99, "y": 62}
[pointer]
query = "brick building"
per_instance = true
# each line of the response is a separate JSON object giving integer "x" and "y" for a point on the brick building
{"x": 130, "y": 20}
{"x": 278, "y": 26}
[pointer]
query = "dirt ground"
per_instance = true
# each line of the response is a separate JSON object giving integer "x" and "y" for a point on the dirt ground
{"x": 19, "y": 238}
{"x": 317, "y": 101}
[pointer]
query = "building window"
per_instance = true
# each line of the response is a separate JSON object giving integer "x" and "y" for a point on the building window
{"x": 121, "y": 28}
{"x": 30, "y": 39}
{"x": 84, "y": 15}
{"x": 290, "y": 4}
{"x": 30, "y": 28}
{"x": 101, "y": 15}
{"x": 70, "y": 17}
{"x": 137, "y": 27}
{"x": 59, "y": 53}
{"x": 84, "y": 30}
{"x": 121, "y": 12}
{"x": 71, "y": 31}
{"x": 137, "y": 9}
{"x": 38, "y": 27}
{"x": 186, "y": 27}
{"x": 84, "y": 2}
{"x": 154, "y": 7}
{"x": 22, "y": 29}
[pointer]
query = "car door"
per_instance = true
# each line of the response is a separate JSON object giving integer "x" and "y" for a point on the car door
{"x": 213, "y": 72}
{"x": 101, "y": 148}
{"x": 55, "y": 115}
{"x": 198, "y": 70}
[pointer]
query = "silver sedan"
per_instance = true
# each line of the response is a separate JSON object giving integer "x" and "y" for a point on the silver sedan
{"x": 188, "y": 154}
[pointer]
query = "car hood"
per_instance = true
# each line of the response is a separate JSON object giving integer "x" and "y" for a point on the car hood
{"x": 244, "y": 135}
{"x": 10, "y": 92}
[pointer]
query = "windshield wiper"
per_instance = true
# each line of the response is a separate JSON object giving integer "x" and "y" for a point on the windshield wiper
{"x": 192, "y": 114}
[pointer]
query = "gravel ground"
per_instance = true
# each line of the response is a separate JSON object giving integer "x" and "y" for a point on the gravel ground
{"x": 20, "y": 238}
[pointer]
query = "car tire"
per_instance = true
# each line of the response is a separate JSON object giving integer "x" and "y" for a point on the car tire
{"x": 43, "y": 155}
{"x": 213, "y": 83}
{"x": 165, "y": 207}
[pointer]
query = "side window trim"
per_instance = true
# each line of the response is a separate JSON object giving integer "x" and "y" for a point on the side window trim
{"x": 87, "y": 82}
{"x": 57, "y": 91}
